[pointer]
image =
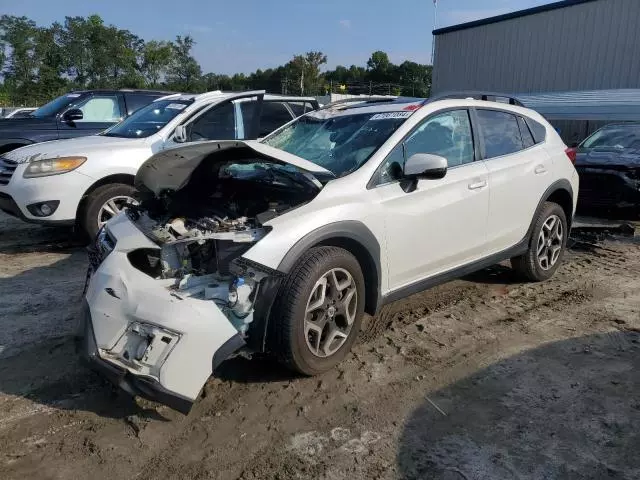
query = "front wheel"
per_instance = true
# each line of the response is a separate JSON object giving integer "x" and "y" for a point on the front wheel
{"x": 546, "y": 246}
{"x": 102, "y": 204}
{"x": 319, "y": 311}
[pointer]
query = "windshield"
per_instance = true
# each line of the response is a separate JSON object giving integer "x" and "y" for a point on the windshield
{"x": 339, "y": 143}
{"x": 148, "y": 120}
{"x": 619, "y": 137}
{"x": 54, "y": 106}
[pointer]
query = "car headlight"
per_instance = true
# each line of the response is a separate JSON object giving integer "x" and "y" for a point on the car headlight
{"x": 53, "y": 166}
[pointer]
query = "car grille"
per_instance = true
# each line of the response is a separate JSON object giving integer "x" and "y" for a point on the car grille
{"x": 7, "y": 167}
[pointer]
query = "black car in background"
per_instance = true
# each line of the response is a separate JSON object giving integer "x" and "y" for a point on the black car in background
{"x": 75, "y": 114}
{"x": 608, "y": 163}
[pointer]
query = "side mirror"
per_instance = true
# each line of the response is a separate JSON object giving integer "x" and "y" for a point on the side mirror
{"x": 180, "y": 134}
{"x": 73, "y": 115}
{"x": 425, "y": 165}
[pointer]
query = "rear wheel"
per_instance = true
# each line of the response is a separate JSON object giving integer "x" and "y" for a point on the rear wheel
{"x": 319, "y": 312}
{"x": 102, "y": 205}
{"x": 546, "y": 246}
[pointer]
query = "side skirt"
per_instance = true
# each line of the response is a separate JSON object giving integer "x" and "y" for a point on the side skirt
{"x": 458, "y": 272}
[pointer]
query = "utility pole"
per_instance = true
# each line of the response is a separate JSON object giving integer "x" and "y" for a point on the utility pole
{"x": 433, "y": 37}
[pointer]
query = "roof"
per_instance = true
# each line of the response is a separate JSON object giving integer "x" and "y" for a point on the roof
{"x": 606, "y": 105}
{"x": 124, "y": 90}
{"x": 508, "y": 16}
{"x": 369, "y": 105}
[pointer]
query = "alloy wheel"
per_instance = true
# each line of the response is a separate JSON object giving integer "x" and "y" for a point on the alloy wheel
{"x": 112, "y": 207}
{"x": 330, "y": 312}
{"x": 550, "y": 242}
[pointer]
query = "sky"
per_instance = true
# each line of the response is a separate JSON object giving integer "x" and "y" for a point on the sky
{"x": 243, "y": 35}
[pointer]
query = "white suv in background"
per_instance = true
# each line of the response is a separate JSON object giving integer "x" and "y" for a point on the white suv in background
{"x": 88, "y": 180}
{"x": 281, "y": 245}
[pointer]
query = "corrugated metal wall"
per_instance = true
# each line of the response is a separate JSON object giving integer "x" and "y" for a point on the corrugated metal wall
{"x": 595, "y": 45}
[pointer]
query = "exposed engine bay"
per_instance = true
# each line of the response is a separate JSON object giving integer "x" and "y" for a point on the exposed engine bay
{"x": 202, "y": 228}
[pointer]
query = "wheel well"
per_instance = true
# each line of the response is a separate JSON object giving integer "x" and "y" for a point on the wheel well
{"x": 117, "y": 178}
{"x": 367, "y": 263}
{"x": 563, "y": 198}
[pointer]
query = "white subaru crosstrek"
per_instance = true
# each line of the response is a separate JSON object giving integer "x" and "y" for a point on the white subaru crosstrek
{"x": 281, "y": 245}
{"x": 87, "y": 180}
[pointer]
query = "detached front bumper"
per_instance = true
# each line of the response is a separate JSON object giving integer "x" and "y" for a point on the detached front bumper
{"x": 143, "y": 336}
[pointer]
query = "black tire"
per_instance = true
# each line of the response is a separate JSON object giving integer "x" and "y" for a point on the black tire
{"x": 528, "y": 265}
{"x": 88, "y": 215}
{"x": 287, "y": 338}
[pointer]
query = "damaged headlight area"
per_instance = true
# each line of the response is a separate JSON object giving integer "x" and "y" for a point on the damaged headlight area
{"x": 202, "y": 256}
{"x": 101, "y": 247}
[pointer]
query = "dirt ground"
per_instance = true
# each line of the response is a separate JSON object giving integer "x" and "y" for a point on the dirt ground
{"x": 482, "y": 378}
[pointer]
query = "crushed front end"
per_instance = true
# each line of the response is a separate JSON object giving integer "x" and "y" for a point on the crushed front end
{"x": 169, "y": 295}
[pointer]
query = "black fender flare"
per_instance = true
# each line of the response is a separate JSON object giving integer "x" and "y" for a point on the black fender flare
{"x": 562, "y": 184}
{"x": 349, "y": 234}
{"x": 346, "y": 233}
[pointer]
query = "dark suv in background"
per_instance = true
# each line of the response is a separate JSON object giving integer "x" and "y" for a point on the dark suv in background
{"x": 75, "y": 114}
{"x": 608, "y": 163}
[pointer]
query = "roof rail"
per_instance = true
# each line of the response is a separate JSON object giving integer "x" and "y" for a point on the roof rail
{"x": 477, "y": 95}
{"x": 369, "y": 99}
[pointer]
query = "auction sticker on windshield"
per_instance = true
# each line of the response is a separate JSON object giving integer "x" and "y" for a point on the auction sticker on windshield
{"x": 176, "y": 106}
{"x": 387, "y": 115}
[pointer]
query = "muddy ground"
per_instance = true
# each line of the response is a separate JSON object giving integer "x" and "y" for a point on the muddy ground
{"x": 482, "y": 378}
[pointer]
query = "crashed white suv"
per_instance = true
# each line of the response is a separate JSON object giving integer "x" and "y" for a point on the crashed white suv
{"x": 281, "y": 245}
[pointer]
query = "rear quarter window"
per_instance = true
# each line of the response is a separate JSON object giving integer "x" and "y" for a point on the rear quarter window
{"x": 300, "y": 108}
{"x": 538, "y": 130}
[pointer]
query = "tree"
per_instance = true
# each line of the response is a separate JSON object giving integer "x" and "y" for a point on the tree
{"x": 38, "y": 63}
{"x": 18, "y": 34}
{"x": 157, "y": 59}
{"x": 415, "y": 78}
{"x": 185, "y": 72}
{"x": 379, "y": 67}
{"x": 74, "y": 40}
{"x": 50, "y": 59}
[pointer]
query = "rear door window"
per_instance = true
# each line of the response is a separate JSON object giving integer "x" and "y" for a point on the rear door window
{"x": 273, "y": 116}
{"x": 500, "y": 132}
{"x": 218, "y": 123}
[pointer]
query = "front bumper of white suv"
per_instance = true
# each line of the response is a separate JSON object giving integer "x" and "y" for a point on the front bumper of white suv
{"x": 141, "y": 334}
{"x": 25, "y": 197}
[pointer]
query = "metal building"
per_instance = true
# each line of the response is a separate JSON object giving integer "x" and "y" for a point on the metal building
{"x": 562, "y": 46}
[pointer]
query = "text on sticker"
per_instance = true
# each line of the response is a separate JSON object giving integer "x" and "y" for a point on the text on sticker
{"x": 387, "y": 115}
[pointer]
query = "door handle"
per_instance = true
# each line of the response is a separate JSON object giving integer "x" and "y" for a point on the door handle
{"x": 475, "y": 185}
{"x": 540, "y": 169}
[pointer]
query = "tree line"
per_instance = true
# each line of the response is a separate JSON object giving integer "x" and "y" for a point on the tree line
{"x": 38, "y": 63}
